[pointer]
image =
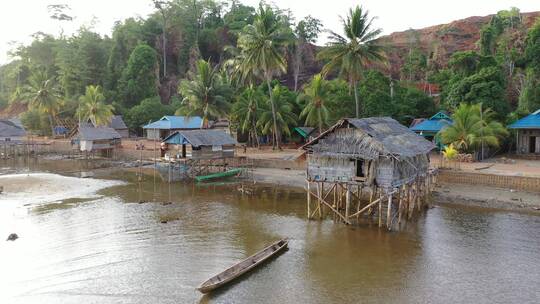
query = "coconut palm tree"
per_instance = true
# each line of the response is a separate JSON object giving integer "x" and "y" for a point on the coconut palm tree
{"x": 43, "y": 94}
{"x": 92, "y": 107}
{"x": 472, "y": 128}
{"x": 350, "y": 54}
{"x": 315, "y": 94}
{"x": 247, "y": 110}
{"x": 262, "y": 44}
{"x": 282, "y": 111}
{"x": 204, "y": 93}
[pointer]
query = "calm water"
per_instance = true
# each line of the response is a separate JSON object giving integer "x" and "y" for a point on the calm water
{"x": 112, "y": 249}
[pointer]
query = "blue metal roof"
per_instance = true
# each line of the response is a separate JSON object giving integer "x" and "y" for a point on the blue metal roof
{"x": 436, "y": 123}
{"x": 531, "y": 121}
{"x": 176, "y": 122}
{"x": 431, "y": 125}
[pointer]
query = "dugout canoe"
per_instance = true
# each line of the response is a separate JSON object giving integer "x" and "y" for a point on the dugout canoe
{"x": 242, "y": 267}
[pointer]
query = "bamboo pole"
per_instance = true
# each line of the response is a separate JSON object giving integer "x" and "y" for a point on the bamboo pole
{"x": 367, "y": 207}
{"x": 389, "y": 213}
{"x": 308, "y": 199}
{"x": 347, "y": 201}
{"x": 400, "y": 206}
{"x": 322, "y": 194}
{"x": 333, "y": 209}
{"x": 380, "y": 212}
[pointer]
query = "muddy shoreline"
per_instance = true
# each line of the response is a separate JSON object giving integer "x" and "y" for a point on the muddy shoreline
{"x": 444, "y": 194}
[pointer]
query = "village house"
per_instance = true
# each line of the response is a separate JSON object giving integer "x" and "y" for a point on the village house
{"x": 11, "y": 131}
{"x": 429, "y": 128}
{"x": 527, "y": 134}
{"x": 90, "y": 139}
{"x": 375, "y": 153}
{"x": 221, "y": 124}
{"x": 199, "y": 144}
{"x": 167, "y": 125}
{"x": 306, "y": 133}
{"x": 118, "y": 124}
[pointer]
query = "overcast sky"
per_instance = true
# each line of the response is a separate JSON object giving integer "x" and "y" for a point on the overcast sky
{"x": 21, "y": 18}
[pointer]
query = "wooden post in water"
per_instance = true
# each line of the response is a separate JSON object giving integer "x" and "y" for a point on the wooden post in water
{"x": 321, "y": 195}
{"x": 380, "y": 211}
{"x": 389, "y": 212}
{"x": 308, "y": 200}
{"x": 347, "y": 200}
{"x": 402, "y": 192}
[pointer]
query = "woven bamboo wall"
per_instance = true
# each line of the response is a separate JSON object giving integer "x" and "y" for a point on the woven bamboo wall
{"x": 500, "y": 181}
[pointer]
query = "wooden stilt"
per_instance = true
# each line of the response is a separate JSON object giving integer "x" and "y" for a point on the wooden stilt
{"x": 320, "y": 204}
{"x": 308, "y": 200}
{"x": 347, "y": 201}
{"x": 400, "y": 206}
{"x": 380, "y": 212}
{"x": 389, "y": 213}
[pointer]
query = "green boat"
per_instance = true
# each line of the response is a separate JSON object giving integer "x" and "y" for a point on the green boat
{"x": 218, "y": 175}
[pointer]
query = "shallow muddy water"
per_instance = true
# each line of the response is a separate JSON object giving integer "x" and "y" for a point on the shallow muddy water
{"x": 102, "y": 245}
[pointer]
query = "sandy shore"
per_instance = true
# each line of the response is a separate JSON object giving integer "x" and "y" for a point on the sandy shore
{"x": 47, "y": 187}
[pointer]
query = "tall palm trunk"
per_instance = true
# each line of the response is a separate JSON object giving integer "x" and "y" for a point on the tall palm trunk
{"x": 52, "y": 124}
{"x": 274, "y": 118}
{"x": 254, "y": 131}
{"x": 356, "y": 98}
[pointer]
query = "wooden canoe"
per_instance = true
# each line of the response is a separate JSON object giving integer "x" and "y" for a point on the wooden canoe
{"x": 232, "y": 172}
{"x": 242, "y": 267}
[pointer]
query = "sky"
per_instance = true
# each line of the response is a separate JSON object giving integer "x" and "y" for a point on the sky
{"x": 21, "y": 18}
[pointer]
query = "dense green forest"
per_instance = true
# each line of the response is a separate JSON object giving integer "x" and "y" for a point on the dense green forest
{"x": 259, "y": 68}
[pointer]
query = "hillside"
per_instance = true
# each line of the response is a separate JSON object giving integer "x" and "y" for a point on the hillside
{"x": 441, "y": 41}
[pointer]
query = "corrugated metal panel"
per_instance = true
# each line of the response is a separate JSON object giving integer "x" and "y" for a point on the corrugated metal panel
{"x": 176, "y": 122}
{"x": 531, "y": 121}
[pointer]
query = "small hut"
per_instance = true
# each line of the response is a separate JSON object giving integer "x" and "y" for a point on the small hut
{"x": 11, "y": 131}
{"x": 377, "y": 154}
{"x": 527, "y": 134}
{"x": 222, "y": 124}
{"x": 96, "y": 139}
{"x": 200, "y": 144}
{"x": 167, "y": 125}
{"x": 118, "y": 124}
{"x": 429, "y": 128}
{"x": 306, "y": 133}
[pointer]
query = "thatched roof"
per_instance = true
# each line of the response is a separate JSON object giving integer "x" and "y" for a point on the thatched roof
{"x": 89, "y": 132}
{"x": 9, "y": 128}
{"x": 199, "y": 138}
{"x": 117, "y": 123}
{"x": 369, "y": 138}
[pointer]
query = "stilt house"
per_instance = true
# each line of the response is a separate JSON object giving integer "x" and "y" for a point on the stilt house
{"x": 11, "y": 131}
{"x": 200, "y": 144}
{"x": 96, "y": 139}
{"x": 117, "y": 123}
{"x": 527, "y": 134}
{"x": 368, "y": 151}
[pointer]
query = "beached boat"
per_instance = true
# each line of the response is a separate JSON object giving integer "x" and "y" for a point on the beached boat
{"x": 232, "y": 172}
{"x": 242, "y": 267}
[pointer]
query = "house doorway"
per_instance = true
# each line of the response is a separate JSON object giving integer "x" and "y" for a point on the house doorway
{"x": 532, "y": 144}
